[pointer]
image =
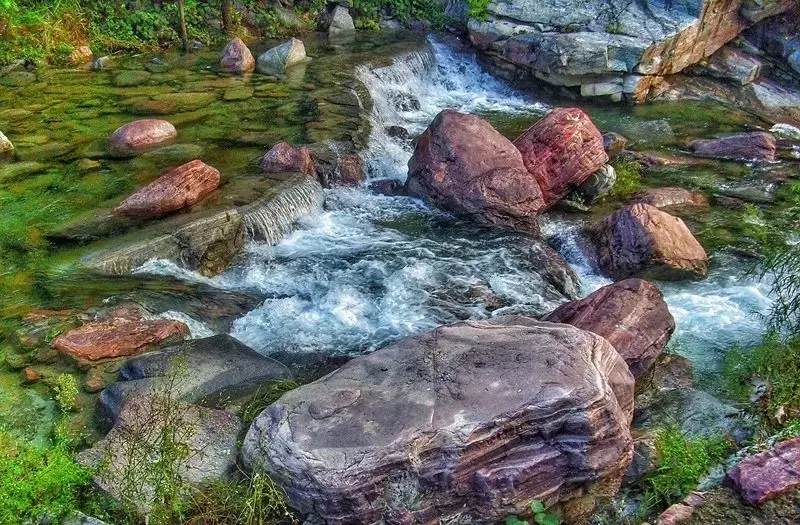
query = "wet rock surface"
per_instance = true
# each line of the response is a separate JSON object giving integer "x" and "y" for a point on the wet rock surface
{"x": 284, "y": 157}
{"x": 141, "y": 135}
{"x": 394, "y": 421}
{"x": 463, "y": 165}
{"x": 277, "y": 60}
{"x": 641, "y": 240}
{"x": 748, "y": 146}
{"x": 178, "y": 189}
{"x": 630, "y": 314}
{"x": 561, "y": 151}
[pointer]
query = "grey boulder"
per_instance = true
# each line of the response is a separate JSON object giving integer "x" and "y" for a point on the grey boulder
{"x": 277, "y": 60}
{"x": 473, "y": 419}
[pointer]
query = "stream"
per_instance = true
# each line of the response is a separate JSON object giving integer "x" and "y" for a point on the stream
{"x": 373, "y": 269}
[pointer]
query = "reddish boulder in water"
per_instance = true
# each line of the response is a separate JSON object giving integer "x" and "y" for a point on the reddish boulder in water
{"x": 562, "y": 150}
{"x": 283, "y": 157}
{"x": 630, "y": 314}
{"x": 124, "y": 332}
{"x": 141, "y": 135}
{"x": 180, "y": 188}
{"x": 237, "y": 58}
{"x": 768, "y": 474}
{"x": 463, "y": 165}
{"x": 643, "y": 241}
{"x": 349, "y": 172}
{"x": 757, "y": 145}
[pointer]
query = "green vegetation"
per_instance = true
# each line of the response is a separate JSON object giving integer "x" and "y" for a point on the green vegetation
{"x": 369, "y": 13}
{"x": 66, "y": 389}
{"x": 629, "y": 179}
{"x": 254, "y": 500}
{"x": 478, "y": 9}
{"x": 682, "y": 462}
{"x": 39, "y": 481}
{"x": 265, "y": 397}
{"x": 539, "y": 513}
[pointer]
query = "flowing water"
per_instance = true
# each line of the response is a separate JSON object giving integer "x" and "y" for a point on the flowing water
{"x": 372, "y": 269}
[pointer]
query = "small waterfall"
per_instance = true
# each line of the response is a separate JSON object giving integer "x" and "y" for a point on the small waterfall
{"x": 418, "y": 85}
{"x": 271, "y": 218}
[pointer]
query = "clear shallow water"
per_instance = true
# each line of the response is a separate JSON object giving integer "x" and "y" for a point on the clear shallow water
{"x": 373, "y": 269}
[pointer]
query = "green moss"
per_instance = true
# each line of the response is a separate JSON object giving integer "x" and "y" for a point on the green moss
{"x": 629, "y": 179}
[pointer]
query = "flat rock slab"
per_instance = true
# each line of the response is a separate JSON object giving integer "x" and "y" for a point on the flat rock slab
{"x": 472, "y": 419}
{"x": 748, "y": 146}
{"x": 768, "y": 474}
{"x": 125, "y": 333}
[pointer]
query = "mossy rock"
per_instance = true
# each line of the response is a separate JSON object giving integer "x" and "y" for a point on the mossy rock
{"x": 238, "y": 93}
{"x": 18, "y": 170}
{"x": 131, "y": 78}
{"x": 18, "y": 79}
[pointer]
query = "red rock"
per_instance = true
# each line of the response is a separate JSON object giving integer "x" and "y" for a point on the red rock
{"x": 751, "y": 146}
{"x": 682, "y": 511}
{"x": 562, "y": 150}
{"x": 671, "y": 197}
{"x": 117, "y": 337}
{"x": 768, "y": 474}
{"x": 31, "y": 375}
{"x": 141, "y": 135}
{"x": 180, "y": 188}
{"x": 641, "y": 240}
{"x": 283, "y": 158}
{"x": 463, "y": 165}
{"x": 350, "y": 172}
{"x": 630, "y": 314}
{"x": 237, "y": 58}
{"x": 81, "y": 55}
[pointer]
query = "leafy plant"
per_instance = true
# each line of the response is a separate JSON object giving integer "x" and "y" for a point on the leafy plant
{"x": 478, "y": 9}
{"x": 682, "y": 462}
{"x": 540, "y": 516}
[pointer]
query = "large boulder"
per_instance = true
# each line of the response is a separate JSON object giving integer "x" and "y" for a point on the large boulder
{"x": 210, "y": 370}
{"x": 463, "y": 165}
{"x": 630, "y": 314}
{"x": 236, "y": 57}
{"x": 643, "y": 241}
{"x": 122, "y": 333}
{"x": 283, "y": 157}
{"x": 277, "y": 60}
{"x": 757, "y": 145}
{"x": 561, "y": 151}
{"x": 769, "y": 474}
{"x": 141, "y": 135}
{"x": 180, "y": 188}
{"x": 154, "y": 429}
{"x": 473, "y": 420}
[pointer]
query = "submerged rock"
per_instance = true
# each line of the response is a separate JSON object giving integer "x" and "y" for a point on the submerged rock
{"x": 237, "y": 58}
{"x": 562, "y": 150}
{"x": 125, "y": 333}
{"x": 141, "y": 135}
{"x": 180, "y": 188}
{"x": 284, "y": 157}
{"x": 210, "y": 370}
{"x": 473, "y": 419}
{"x": 278, "y": 59}
{"x": 131, "y": 78}
{"x": 630, "y": 314}
{"x": 750, "y": 146}
{"x": 769, "y": 474}
{"x": 641, "y": 240}
{"x": 463, "y": 165}
{"x": 671, "y": 198}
